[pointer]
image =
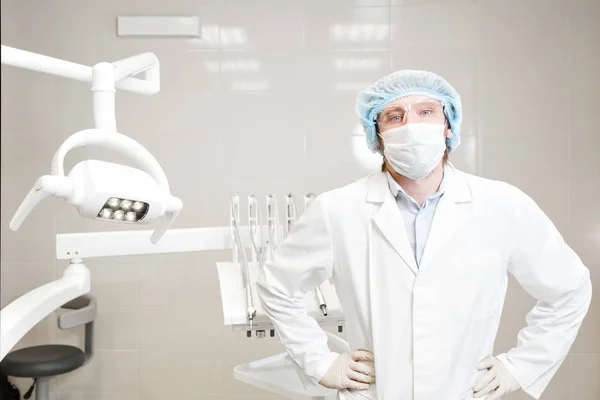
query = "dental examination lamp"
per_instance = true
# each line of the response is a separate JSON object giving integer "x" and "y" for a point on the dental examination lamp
{"x": 98, "y": 189}
{"x": 107, "y": 191}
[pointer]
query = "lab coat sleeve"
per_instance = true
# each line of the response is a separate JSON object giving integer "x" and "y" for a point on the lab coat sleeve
{"x": 302, "y": 261}
{"x": 550, "y": 271}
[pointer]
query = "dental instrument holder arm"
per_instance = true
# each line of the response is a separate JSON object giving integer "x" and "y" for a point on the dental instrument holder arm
{"x": 273, "y": 222}
{"x": 254, "y": 230}
{"x": 238, "y": 248}
{"x": 106, "y": 76}
{"x": 253, "y": 223}
{"x": 234, "y": 204}
{"x": 291, "y": 214}
{"x": 66, "y": 69}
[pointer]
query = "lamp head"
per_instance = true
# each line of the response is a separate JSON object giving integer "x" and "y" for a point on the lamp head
{"x": 107, "y": 191}
{"x": 117, "y": 193}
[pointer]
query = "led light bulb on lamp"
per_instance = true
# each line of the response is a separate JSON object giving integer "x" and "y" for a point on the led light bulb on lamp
{"x": 106, "y": 213}
{"x": 113, "y": 202}
{"x": 107, "y": 191}
{"x": 126, "y": 204}
{"x": 118, "y": 215}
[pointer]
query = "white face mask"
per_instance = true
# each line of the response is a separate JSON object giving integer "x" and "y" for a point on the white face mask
{"x": 414, "y": 150}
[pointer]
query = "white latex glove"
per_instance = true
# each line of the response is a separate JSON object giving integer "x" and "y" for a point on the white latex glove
{"x": 498, "y": 380}
{"x": 351, "y": 371}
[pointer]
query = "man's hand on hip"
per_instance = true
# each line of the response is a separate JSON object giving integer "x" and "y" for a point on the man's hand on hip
{"x": 351, "y": 371}
{"x": 497, "y": 380}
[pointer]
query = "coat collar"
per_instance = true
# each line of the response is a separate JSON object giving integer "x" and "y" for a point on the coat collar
{"x": 448, "y": 216}
{"x": 455, "y": 186}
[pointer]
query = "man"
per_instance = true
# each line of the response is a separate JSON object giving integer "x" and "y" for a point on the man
{"x": 419, "y": 254}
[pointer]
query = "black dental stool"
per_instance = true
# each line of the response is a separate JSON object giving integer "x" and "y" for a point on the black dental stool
{"x": 44, "y": 362}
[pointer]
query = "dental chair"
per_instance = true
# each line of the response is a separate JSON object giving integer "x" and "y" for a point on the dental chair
{"x": 44, "y": 362}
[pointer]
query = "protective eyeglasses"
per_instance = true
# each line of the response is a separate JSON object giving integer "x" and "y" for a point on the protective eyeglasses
{"x": 425, "y": 111}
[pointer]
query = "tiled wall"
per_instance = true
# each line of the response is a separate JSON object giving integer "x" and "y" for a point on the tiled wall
{"x": 264, "y": 102}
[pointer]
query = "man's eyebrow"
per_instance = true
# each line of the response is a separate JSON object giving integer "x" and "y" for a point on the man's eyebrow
{"x": 393, "y": 108}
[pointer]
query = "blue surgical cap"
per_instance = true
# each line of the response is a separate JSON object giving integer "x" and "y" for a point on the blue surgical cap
{"x": 373, "y": 99}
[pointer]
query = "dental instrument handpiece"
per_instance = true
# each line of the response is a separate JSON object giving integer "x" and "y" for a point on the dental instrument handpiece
{"x": 271, "y": 236}
{"x": 321, "y": 300}
{"x": 308, "y": 199}
{"x": 251, "y": 311}
{"x": 274, "y": 210}
{"x": 254, "y": 223}
{"x": 290, "y": 212}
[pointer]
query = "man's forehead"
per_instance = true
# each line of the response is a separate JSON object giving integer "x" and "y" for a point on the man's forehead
{"x": 406, "y": 100}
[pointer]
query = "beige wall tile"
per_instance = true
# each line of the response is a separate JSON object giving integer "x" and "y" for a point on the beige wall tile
{"x": 584, "y": 171}
{"x": 179, "y": 284}
{"x": 261, "y": 71}
{"x": 94, "y": 395}
{"x": 586, "y": 370}
{"x": 34, "y": 241}
{"x": 19, "y": 278}
{"x": 32, "y": 21}
{"x": 28, "y": 120}
{"x": 114, "y": 284}
{"x": 109, "y": 370}
{"x": 117, "y": 328}
{"x": 183, "y": 366}
{"x": 344, "y": 26}
{"x": 327, "y": 71}
{"x": 515, "y": 146}
{"x": 433, "y": 26}
{"x": 242, "y": 27}
{"x": 560, "y": 386}
{"x": 532, "y": 24}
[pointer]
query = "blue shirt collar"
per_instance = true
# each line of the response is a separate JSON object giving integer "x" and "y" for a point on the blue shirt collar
{"x": 398, "y": 191}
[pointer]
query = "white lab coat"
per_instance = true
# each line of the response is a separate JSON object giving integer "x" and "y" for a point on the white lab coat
{"x": 428, "y": 327}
